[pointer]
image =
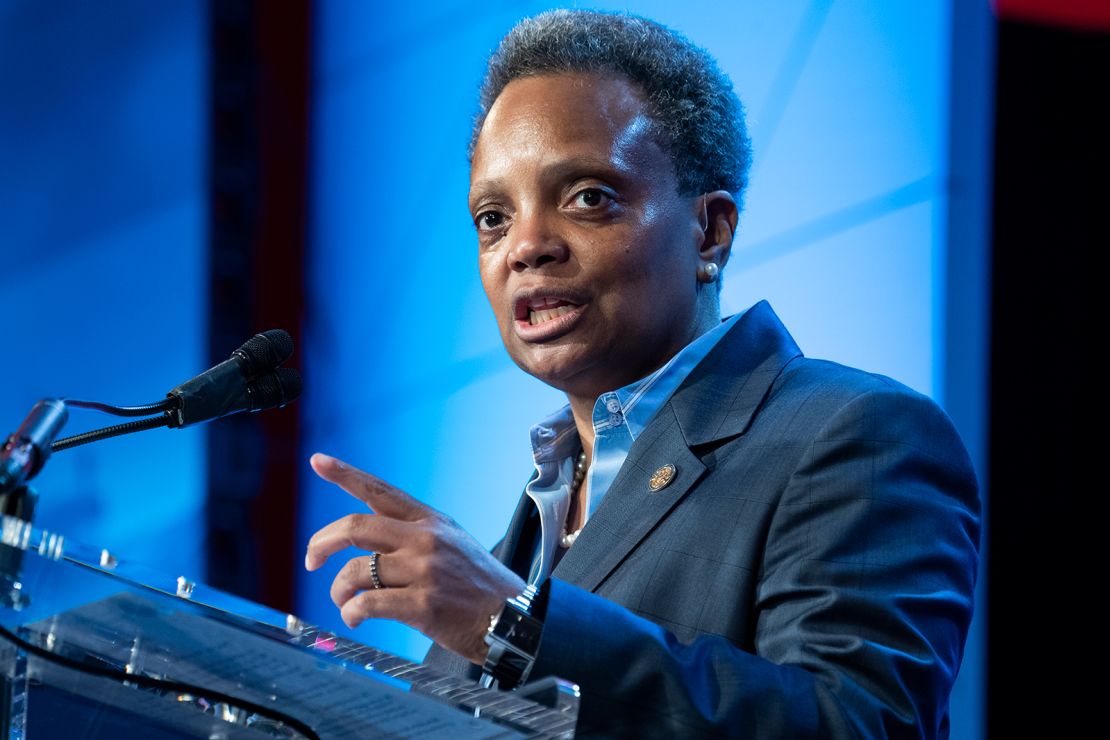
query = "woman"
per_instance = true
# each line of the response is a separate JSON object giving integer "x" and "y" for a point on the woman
{"x": 720, "y": 535}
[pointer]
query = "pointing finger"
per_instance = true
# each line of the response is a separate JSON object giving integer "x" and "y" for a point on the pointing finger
{"x": 371, "y": 490}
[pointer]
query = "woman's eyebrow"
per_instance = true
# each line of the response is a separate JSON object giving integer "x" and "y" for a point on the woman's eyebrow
{"x": 556, "y": 171}
{"x": 582, "y": 166}
{"x": 484, "y": 189}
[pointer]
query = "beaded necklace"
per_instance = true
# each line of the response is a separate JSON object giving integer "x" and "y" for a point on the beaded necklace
{"x": 566, "y": 539}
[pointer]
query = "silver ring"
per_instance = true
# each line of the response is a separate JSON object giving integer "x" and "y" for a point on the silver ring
{"x": 374, "y": 578}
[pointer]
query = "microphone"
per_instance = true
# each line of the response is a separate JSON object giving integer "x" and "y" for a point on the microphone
{"x": 25, "y": 451}
{"x": 273, "y": 390}
{"x": 249, "y": 380}
{"x": 260, "y": 353}
{"x": 264, "y": 352}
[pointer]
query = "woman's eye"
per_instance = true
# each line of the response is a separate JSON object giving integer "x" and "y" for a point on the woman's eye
{"x": 591, "y": 198}
{"x": 488, "y": 220}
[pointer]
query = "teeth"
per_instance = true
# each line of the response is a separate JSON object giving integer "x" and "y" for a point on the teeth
{"x": 539, "y": 317}
{"x": 543, "y": 302}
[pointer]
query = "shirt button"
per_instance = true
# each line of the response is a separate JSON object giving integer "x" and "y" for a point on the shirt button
{"x": 616, "y": 419}
{"x": 613, "y": 405}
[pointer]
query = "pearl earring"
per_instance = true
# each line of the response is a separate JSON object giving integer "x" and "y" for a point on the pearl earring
{"x": 711, "y": 271}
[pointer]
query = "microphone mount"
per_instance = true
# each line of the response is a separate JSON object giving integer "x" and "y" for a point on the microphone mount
{"x": 250, "y": 380}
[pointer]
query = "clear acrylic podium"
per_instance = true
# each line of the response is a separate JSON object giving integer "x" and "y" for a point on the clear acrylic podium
{"x": 92, "y": 646}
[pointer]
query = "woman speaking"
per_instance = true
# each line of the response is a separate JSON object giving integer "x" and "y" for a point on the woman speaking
{"x": 719, "y": 535}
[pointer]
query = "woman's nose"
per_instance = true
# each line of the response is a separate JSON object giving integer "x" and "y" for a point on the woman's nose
{"x": 535, "y": 244}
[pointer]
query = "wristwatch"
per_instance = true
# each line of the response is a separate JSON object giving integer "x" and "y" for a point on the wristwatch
{"x": 514, "y": 637}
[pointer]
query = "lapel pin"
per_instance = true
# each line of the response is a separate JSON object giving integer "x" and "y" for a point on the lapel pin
{"x": 661, "y": 478}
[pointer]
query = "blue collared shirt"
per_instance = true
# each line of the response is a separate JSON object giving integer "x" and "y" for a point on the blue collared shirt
{"x": 618, "y": 419}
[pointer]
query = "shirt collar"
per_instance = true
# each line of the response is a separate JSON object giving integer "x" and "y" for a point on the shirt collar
{"x": 641, "y": 400}
{"x": 556, "y": 437}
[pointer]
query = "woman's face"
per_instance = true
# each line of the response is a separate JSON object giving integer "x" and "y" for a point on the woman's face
{"x": 587, "y": 252}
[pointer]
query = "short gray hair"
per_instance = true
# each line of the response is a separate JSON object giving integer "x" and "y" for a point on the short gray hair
{"x": 698, "y": 117}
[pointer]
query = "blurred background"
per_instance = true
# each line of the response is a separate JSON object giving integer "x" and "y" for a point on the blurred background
{"x": 177, "y": 176}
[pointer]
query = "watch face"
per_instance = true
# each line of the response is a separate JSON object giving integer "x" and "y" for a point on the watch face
{"x": 520, "y": 631}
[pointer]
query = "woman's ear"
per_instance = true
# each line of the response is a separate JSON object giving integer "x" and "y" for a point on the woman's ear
{"x": 718, "y": 219}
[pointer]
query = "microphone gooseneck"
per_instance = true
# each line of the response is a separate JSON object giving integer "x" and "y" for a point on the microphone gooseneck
{"x": 113, "y": 431}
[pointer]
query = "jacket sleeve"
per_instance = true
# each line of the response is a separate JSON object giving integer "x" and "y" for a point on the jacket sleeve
{"x": 863, "y": 601}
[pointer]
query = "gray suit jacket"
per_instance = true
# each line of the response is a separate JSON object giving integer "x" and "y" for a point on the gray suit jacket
{"x": 808, "y": 572}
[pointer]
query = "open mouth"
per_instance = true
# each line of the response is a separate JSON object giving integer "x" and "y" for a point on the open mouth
{"x": 541, "y": 309}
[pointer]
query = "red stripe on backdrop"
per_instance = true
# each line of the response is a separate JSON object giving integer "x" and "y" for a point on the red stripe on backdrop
{"x": 260, "y": 80}
{"x": 1092, "y": 15}
{"x": 283, "y": 40}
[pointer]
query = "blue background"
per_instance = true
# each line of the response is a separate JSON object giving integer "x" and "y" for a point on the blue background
{"x": 103, "y": 257}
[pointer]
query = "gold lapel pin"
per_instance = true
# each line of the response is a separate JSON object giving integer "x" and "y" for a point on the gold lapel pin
{"x": 661, "y": 478}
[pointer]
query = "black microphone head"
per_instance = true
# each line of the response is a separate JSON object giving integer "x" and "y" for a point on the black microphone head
{"x": 274, "y": 389}
{"x": 265, "y": 351}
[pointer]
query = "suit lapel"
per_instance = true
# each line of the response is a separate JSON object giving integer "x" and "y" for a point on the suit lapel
{"x": 723, "y": 393}
{"x": 630, "y": 509}
{"x": 717, "y": 401}
{"x": 508, "y": 550}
